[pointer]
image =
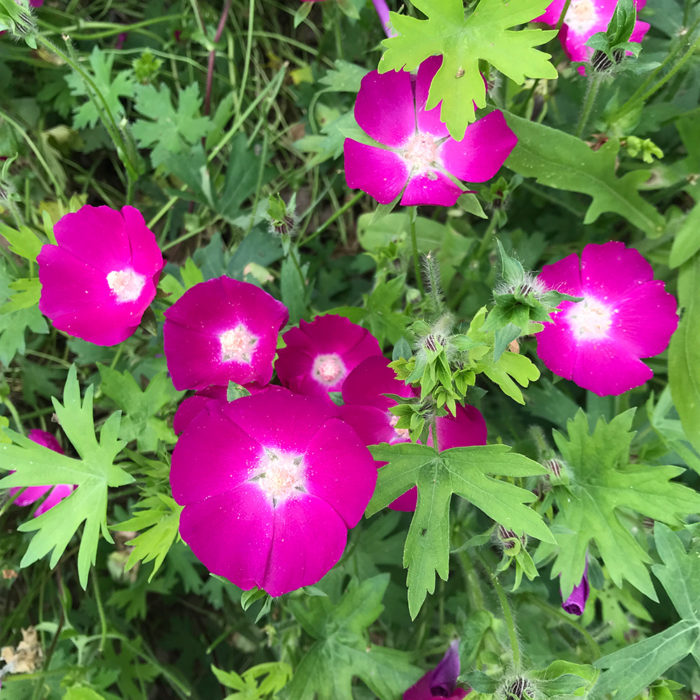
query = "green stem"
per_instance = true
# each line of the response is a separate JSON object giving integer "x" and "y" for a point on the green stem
{"x": 412, "y": 216}
{"x": 15, "y": 415}
{"x": 594, "y": 84}
{"x": 488, "y": 237}
{"x": 100, "y": 612}
{"x": 337, "y": 213}
{"x": 507, "y": 614}
{"x": 248, "y": 45}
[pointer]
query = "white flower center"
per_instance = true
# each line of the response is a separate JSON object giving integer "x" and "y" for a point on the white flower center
{"x": 590, "y": 319}
{"x": 420, "y": 152}
{"x": 237, "y": 345}
{"x": 581, "y": 16}
{"x": 280, "y": 475}
{"x": 401, "y": 433}
{"x": 126, "y": 284}
{"x": 328, "y": 369}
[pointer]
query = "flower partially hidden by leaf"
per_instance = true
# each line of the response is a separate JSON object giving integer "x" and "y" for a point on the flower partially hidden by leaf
{"x": 441, "y": 681}
{"x": 319, "y": 355}
{"x": 624, "y": 315}
{"x": 270, "y": 484}
{"x": 576, "y": 602}
{"x": 586, "y": 18}
{"x": 367, "y": 393}
{"x": 99, "y": 279}
{"x": 222, "y": 330}
{"x": 415, "y": 155}
{"x": 32, "y": 494}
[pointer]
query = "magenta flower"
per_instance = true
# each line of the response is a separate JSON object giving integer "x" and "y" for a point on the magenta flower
{"x": 222, "y": 330}
{"x": 583, "y": 19}
{"x": 31, "y": 494}
{"x": 440, "y": 682}
{"x": 101, "y": 277}
{"x": 625, "y": 315}
{"x": 190, "y": 407}
{"x": 270, "y": 484}
{"x": 576, "y": 602}
{"x": 367, "y": 407}
{"x": 418, "y": 155}
{"x": 319, "y": 355}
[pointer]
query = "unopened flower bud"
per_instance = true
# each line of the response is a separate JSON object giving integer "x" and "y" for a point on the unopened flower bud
{"x": 519, "y": 689}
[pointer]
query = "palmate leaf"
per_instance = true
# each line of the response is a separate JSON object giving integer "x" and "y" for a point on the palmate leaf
{"x": 631, "y": 669}
{"x": 601, "y": 484}
{"x": 93, "y": 472}
{"x": 467, "y": 471}
{"x": 462, "y": 42}
{"x": 342, "y": 648}
{"x": 565, "y": 162}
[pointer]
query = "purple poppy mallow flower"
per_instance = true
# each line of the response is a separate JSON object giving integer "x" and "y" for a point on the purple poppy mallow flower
{"x": 418, "y": 156}
{"x": 270, "y": 484}
{"x": 575, "y": 604}
{"x": 101, "y": 276}
{"x": 441, "y": 681}
{"x": 625, "y": 314}
{"x": 31, "y": 494}
{"x": 222, "y": 330}
{"x": 319, "y": 355}
{"x": 367, "y": 409}
{"x": 583, "y": 19}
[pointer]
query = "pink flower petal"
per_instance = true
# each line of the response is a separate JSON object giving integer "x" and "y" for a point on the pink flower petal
{"x": 428, "y": 121}
{"x": 466, "y": 427}
{"x": 340, "y": 470}
{"x": 646, "y": 321}
{"x": 41, "y": 437}
{"x": 381, "y": 174}
{"x": 231, "y": 534}
{"x": 212, "y": 456}
{"x": 552, "y": 13}
{"x": 432, "y": 188}
{"x": 29, "y": 495}
{"x": 372, "y": 424}
{"x": 278, "y": 418}
{"x": 190, "y": 407}
{"x": 563, "y": 276}
{"x": 56, "y": 495}
{"x": 607, "y": 368}
{"x": 293, "y": 562}
{"x": 406, "y": 502}
{"x": 556, "y": 346}
{"x": 95, "y": 235}
{"x": 146, "y": 257}
{"x": 611, "y": 270}
{"x": 385, "y": 108}
{"x": 483, "y": 150}
{"x": 370, "y": 380}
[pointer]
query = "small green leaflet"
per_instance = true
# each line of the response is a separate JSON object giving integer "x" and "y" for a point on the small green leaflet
{"x": 565, "y": 162}
{"x": 169, "y": 129}
{"x": 13, "y": 325}
{"x": 684, "y": 352}
{"x": 467, "y": 471}
{"x": 111, "y": 90}
{"x": 601, "y": 482}
{"x": 340, "y": 631}
{"x": 93, "y": 472}
{"x": 271, "y": 676}
{"x": 633, "y": 668}
{"x": 464, "y": 42}
{"x": 141, "y": 408}
{"x": 159, "y": 517}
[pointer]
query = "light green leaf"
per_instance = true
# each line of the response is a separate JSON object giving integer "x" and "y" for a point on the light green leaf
{"x": 601, "y": 484}
{"x": 23, "y": 241}
{"x": 111, "y": 90}
{"x": 93, "y": 472}
{"x": 171, "y": 130}
{"x": 684, "y": 353}
{"x": 634, "y": 667}
{"x": 141, "y": 408}
{"x": 13, "y": 325}
{"x": 341, "y": 633}
{"x": 562, "y": 161}
{"x": 484, "y": 35}
{"x": 467, "y": 471}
